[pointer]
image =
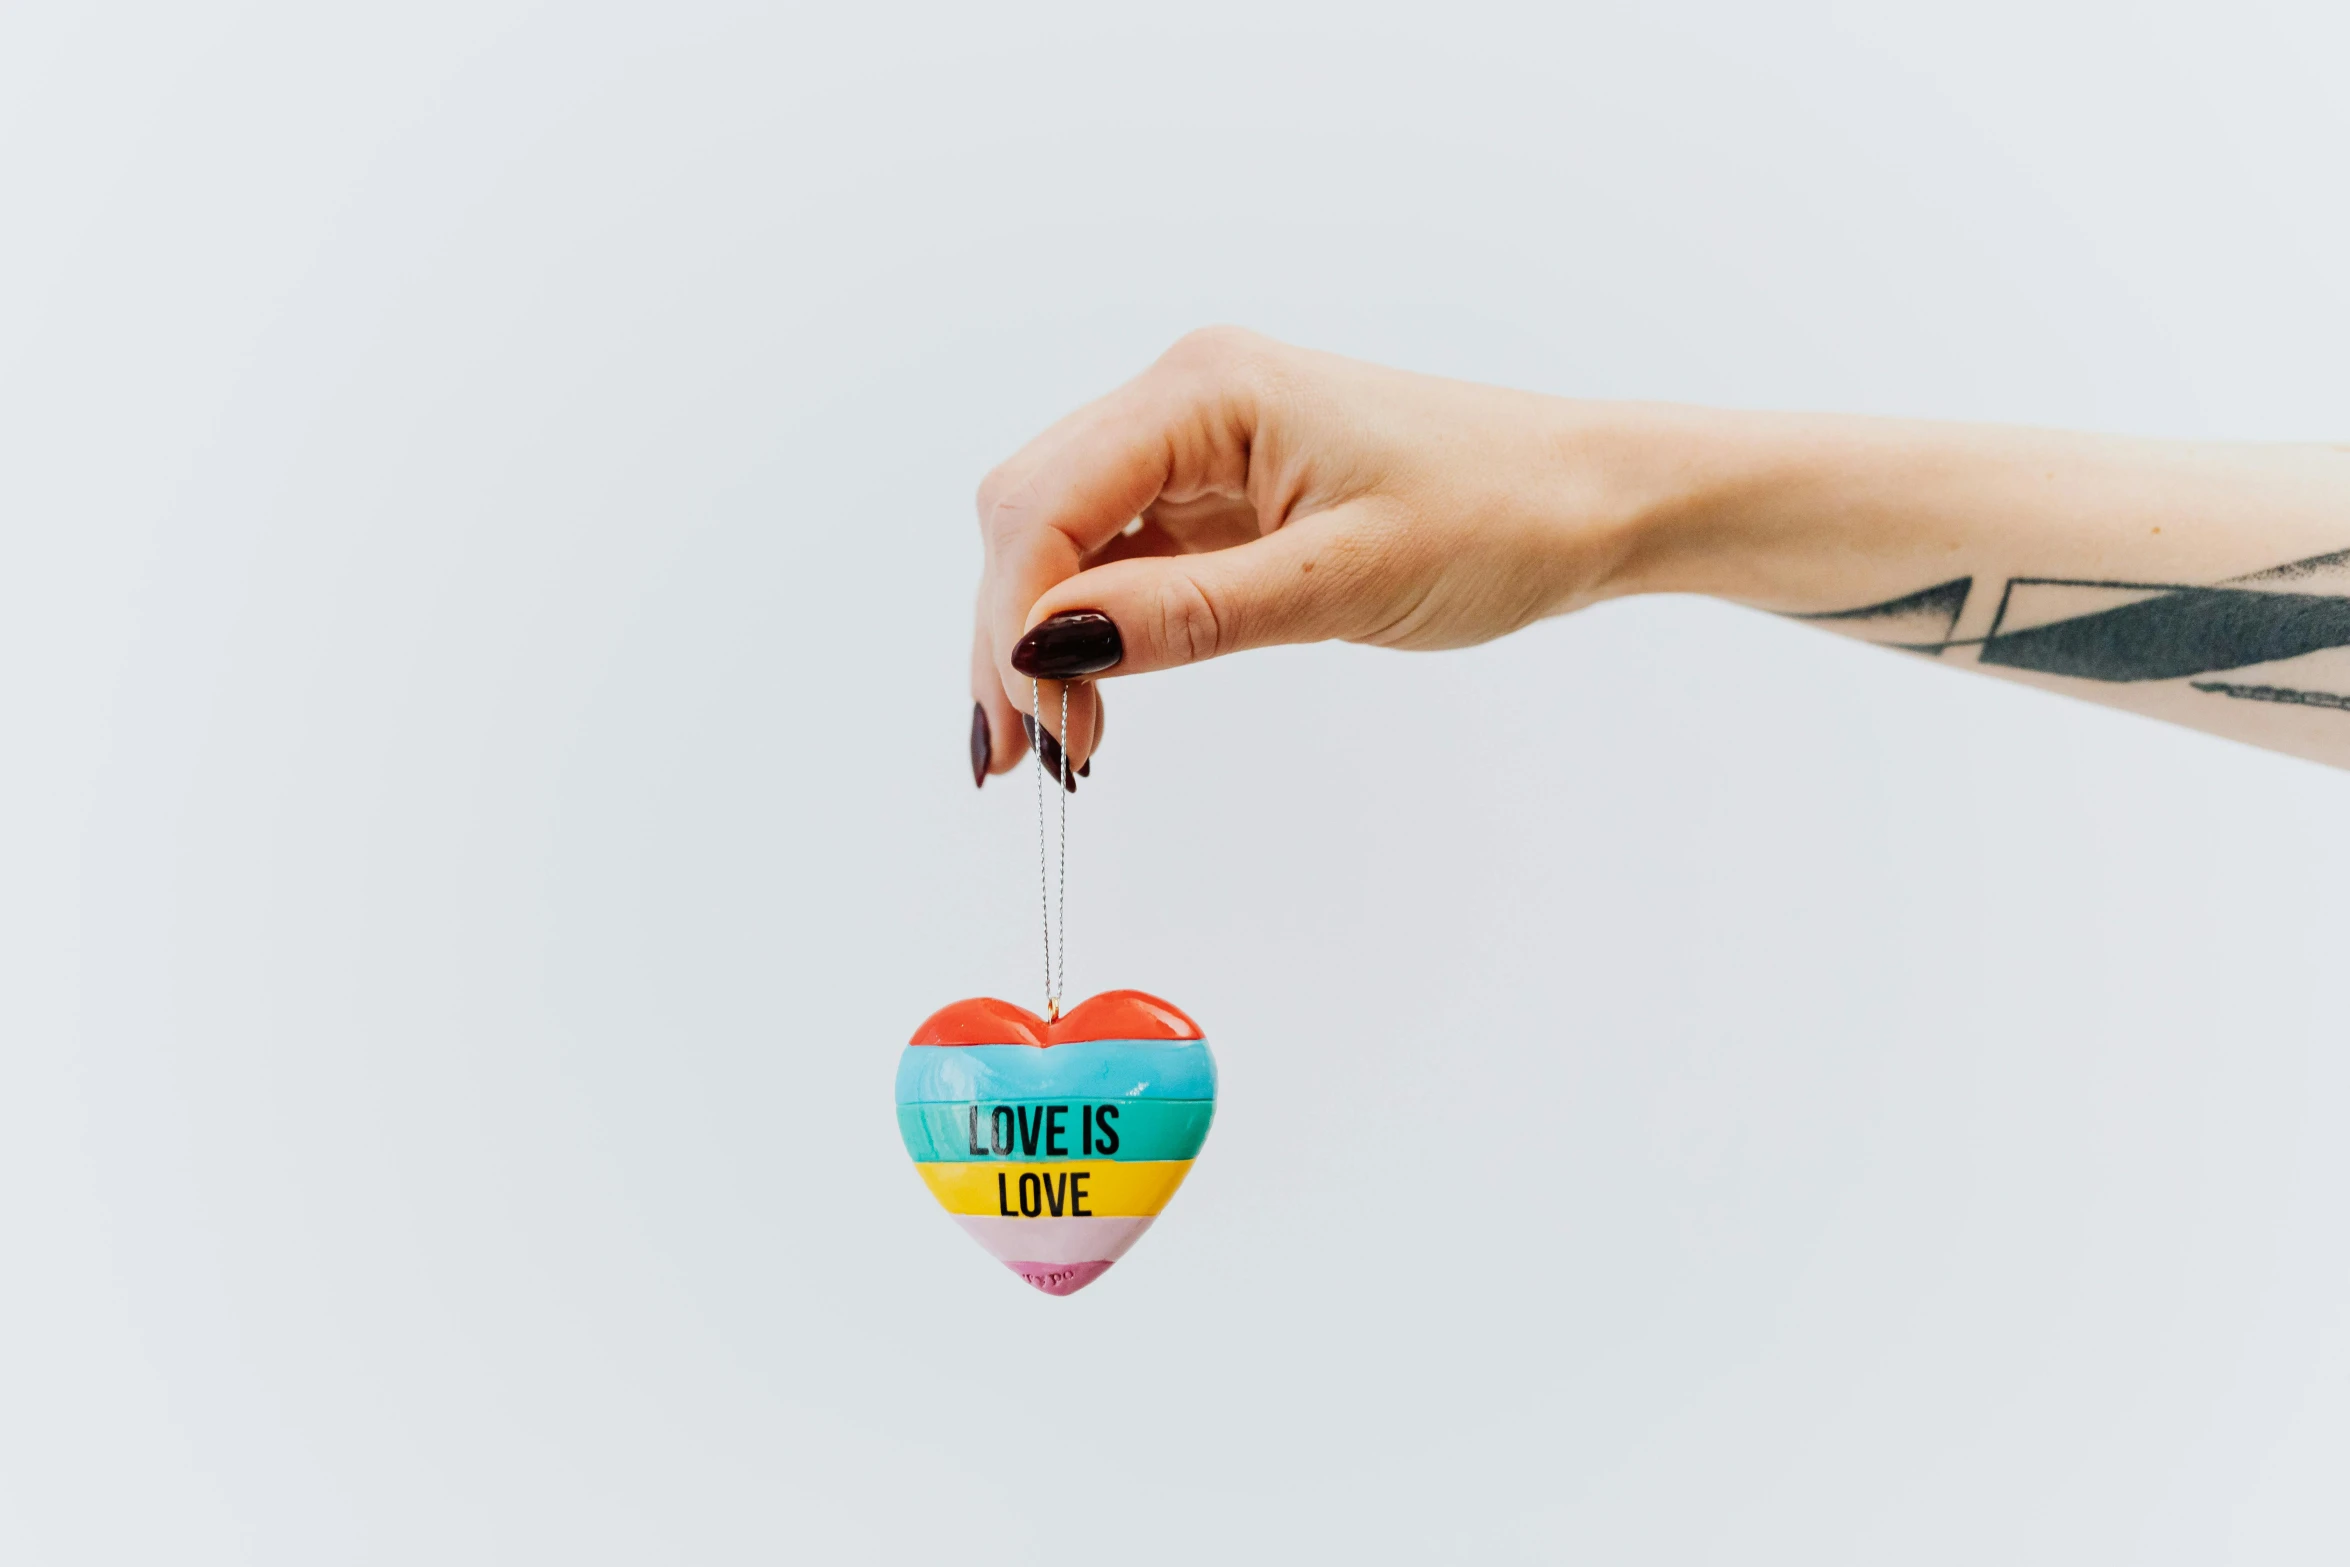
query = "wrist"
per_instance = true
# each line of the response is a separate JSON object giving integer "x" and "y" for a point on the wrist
{"x": 1670, "y": 491}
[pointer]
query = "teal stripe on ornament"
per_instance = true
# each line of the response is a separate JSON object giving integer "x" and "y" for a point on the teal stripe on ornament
{"x": 1091, "y": 1069}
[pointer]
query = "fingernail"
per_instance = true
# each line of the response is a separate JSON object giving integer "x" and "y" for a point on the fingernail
{"x": 1048, "y": 750}
{"x": 982, "y": 745}
{"x": 1078, "y": 642}
{"x": 1085, "y": 768}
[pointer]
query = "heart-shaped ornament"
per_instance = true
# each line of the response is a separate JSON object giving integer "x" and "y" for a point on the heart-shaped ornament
{"x": 1054, "y": 1145}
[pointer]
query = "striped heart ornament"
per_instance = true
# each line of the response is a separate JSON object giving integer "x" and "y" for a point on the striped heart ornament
{"x": 1056, "y": 1144}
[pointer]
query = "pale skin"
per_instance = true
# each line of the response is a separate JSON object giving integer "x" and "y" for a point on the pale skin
{"x": 1285, "y": 495}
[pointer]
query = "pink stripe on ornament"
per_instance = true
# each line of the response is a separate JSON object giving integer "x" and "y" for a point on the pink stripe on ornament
{"x": 1059, "y": 1278}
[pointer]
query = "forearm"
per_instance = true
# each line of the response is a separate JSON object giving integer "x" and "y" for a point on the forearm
{"x": 2205, "y": 584}
{"x": 1242, "y": 493}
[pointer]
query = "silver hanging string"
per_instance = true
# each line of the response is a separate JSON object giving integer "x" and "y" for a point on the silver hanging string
{"x": 1056, "y": 920}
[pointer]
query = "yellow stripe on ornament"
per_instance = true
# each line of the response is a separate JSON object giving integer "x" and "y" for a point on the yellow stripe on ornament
{"x": 1072, "y": 1189}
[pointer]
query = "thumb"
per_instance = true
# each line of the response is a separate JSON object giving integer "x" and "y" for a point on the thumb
{"x": 1308, "y": 582}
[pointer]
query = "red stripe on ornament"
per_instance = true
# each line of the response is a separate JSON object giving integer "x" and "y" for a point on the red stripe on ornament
{"x": 1114, "y": 1014}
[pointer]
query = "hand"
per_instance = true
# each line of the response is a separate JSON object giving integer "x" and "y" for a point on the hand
{"x": 1242, "y": 493}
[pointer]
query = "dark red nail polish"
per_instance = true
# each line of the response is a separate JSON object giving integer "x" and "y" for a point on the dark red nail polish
{"x": 1076, "y": 643}
{"x": 1048, "y": 751}
{"x": 982, "y": 744}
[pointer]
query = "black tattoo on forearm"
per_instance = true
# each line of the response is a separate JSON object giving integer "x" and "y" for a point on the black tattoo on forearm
{"x": 2274, "y": 694}
{"x": 2134, "y": 631}
{"x": 1922, "y": 622}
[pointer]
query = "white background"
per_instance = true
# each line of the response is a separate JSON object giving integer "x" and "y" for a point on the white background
{"x": 485, "y": 550}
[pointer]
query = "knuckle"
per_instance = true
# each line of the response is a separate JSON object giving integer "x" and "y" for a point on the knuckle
{"x": 992, "y": 491}
{"x": 1192, "y": 625}
{"x": 1214, "y": 349}
{"x": 1001, "y": 511}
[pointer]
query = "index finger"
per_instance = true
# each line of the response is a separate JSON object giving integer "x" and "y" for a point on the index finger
{"x": 1181, "y": 427}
